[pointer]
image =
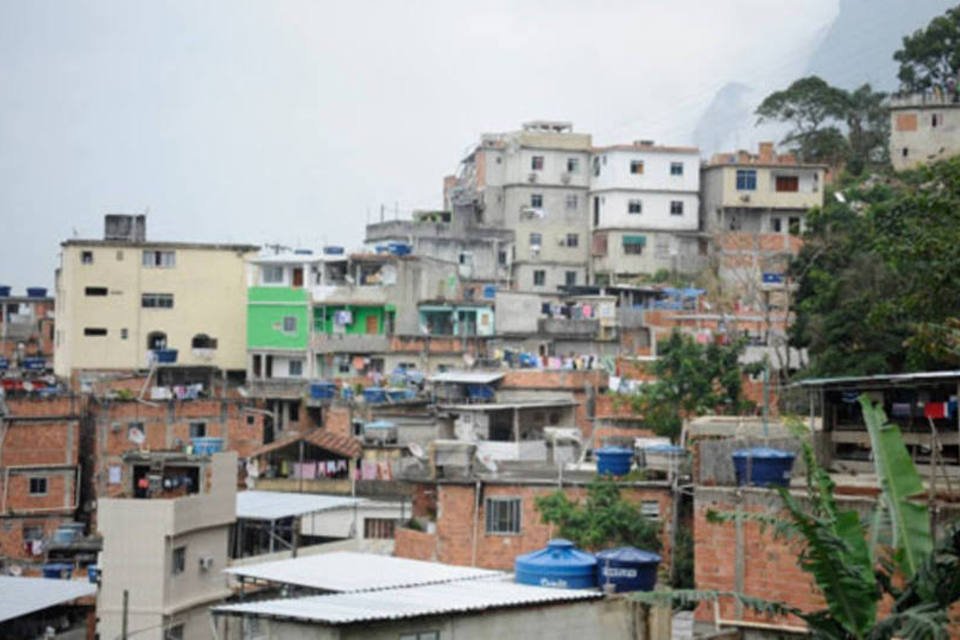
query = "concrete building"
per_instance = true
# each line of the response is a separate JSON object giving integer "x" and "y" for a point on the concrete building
{"x": 165, "y": 544}
{"x": 123, "y": 297}
{"x": 645, "y": 211}
{"x": 924, "y": 128}
{"x": 534, "y": 182}
{"x": 26, "y": 330}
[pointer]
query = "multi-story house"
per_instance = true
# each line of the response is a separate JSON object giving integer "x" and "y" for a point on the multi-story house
{"x": 123, "y": 298}
{"x": 535, "y": 182}
{"x": 755, "y": 208}
{"x": 645, "y": 211}
{"x": 924, "y": 128}
{"x": 26, "y": 329}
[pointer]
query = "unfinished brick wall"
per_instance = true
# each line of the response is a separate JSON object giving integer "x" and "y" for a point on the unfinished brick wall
{"x": 456, "y": 532}
{"x": 416, "y": 545}
{"x": 337, "y": 419}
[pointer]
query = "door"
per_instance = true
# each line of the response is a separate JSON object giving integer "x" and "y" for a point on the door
{"x": 298, "y": 277}
{"x": 373, "y": 324}
{"x": 269, "y": 367}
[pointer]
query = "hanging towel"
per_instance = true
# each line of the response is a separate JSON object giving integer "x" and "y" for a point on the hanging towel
{"x": 935, "y": 410}
{"x": 899, "y": 409}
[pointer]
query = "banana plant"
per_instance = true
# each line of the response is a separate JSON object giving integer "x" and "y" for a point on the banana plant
{"x": 846, "y": 556}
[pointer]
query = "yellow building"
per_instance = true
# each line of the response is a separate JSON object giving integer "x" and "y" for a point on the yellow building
{"x": 121, "y": 299}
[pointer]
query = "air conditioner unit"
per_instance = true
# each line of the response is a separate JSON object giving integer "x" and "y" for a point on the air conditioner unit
{"x": 745, "y": 197}
{"x": 532, "y": 177}
{"x": 206, "y": 563}
{"x": 565, "y": 178}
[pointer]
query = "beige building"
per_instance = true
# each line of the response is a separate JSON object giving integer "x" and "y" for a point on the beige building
{"x": 167, "y": 546}
{"x": 122, "y": 298}
{"x": 923, "y": 129}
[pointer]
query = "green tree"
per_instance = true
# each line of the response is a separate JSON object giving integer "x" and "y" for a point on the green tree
{"x": 931, "y": 56}
{"x": 603, "y": 520}
{"x": 692, "y": 379}
{"x": 855, "y": 564}
{"x": 829, "y": 124}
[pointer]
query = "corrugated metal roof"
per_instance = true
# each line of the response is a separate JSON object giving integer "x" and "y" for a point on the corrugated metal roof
{"x": 20, "y": 596}
{"x": 349, "y": 571}
{"x": 895, "y": 378}
{"x": 394, "y": 604}
{"x": 273, "y": 505}
{"x": 466, "y": 377}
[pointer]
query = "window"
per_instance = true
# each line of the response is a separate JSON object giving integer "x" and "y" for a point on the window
{"x": 94, "y": 331}
{"x": 746, "y": 180}
{"x": 573, "y": 165}
{"x": 536, "y": 239}
{"x": 174, "y": 632}
{"x": 95, "y": 291}
{"x": 203, "y": 341}
{"x": 536, "y": 163}
{"x": 635, "y": 206}
{"x": 86, "y": 257}
{"x": 119, "y": 256}
{"x": 179, "y": 560}
{"x": 935, "y": 120}
{"x": 251, "y": 421}
{"x": 650, "y": 509}
{"x": 380, "y": 528}
{"x": 676, "y": 207}
{"x": 38, "y": 486}
{"x": 124, "y": 333}
{"x": 289, "y": 324}
{"x": 465, "y": 257}
{"x": 32, "y": 532}
{"x": 156, "y": 340}
{"x": 295, "y": 368}
{"x": 787, "y": 183}
{"x": 198, "y": 430}
{"x": 570, "y": 278}
{"x": 539, "y": 278}
{"x": 905, "y": 152}
{"x": 536, "y": 200}
{"x": 636, "y": 167}
{"x": 272, "y": 274}
{"x": 294, "y": 409}
{"x": 161, "y": 259}
{"x": 502, "y": 257}
{"x": 633, "y": 245}
{"x": 676, "y": 168}
{"x": 573, "y": 240}
{"x": 502, "y": 515}
{"x": 776, "y": 225}
{"x": 422, "y": 635}
{"x": 156, "y": 301}
{"x": 571, "y": 201}
{"x": 793, "y": 224}
{"x": 596, "y": 167}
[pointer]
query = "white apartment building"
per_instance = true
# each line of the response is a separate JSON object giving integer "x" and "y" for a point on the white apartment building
{"x": 644, "y": 211}
{"x": 924, "y": 128}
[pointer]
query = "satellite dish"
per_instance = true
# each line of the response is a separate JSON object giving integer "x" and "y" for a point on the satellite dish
{"x": 416, "y": 450}
{"x": 136, "y": 436}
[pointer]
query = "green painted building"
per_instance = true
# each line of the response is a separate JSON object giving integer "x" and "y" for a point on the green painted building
{"x": 353, "y": 319}
{"x": 277, "y": 318}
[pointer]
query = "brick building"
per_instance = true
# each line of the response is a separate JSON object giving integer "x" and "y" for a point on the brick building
{"x": 40, "y": 471}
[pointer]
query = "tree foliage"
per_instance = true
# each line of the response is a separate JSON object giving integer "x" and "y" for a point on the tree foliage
{"x": 879, "y": 277}
{"x": 692, "y": 379}
{"x": 845, "y": 555}
{"x": 603, "y": 520}
{"x": 829, "y": 124}
{"x": 931, "y": 56}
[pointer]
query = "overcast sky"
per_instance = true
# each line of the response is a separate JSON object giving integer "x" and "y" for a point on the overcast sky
{"x": 287, "y": 121}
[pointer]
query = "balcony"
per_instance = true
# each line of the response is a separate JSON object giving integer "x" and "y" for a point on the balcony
{"x": 289, "y": 388}
{"x": 523, "y": 450}
{"x": 569, "y": 327}
{"x": 350, "y": 343}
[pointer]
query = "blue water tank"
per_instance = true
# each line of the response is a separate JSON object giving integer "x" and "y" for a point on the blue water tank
{"x": 206, "y": 446}
{"x": 303, "y": 252}
{"x": 36, "y": 292}
{"x": 323, "y": 390}
{"x": 399, "y": 248}
{"x": 4, "y": 291}
{"x": 489, "y": 291}
{"x": 57, "y": 570}
{"x": 614, "y": 461}
{"x": 375, "y": 395}
{"x": 165, "y": 356}
{"x": 332, "y": 250}
{"x": 763, "y": 466}
{"x": 627, "y": 569}
{"x": 400, "y": 395}
{"x": 560, "y": 565}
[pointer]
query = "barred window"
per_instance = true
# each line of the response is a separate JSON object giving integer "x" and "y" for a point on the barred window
{"x": 503, "y": 515}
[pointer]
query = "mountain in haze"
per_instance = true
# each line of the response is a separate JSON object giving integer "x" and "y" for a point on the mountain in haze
{"x": 856, "y": 48}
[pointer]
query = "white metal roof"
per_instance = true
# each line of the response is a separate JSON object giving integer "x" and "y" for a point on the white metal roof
{"x": 20, "y": 596}
{"x": 273, "y": 505}
{"x": 466, "y": 377}
{"x": 350, "y": 571}
{"x": 394, "y": 604}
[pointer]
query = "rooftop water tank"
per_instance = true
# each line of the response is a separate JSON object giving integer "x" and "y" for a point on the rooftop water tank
{"x": 560, "y": 565}
{"x": 627, "y": 569}
{"x": 323, "y": 390}
{"x": 333, "y": 250}
{"x": 375, "y": 395}
{"x": 380, "y": 431}
{"x": 165, "y": 356}
{"x": 4, "y": 291}
{"x": 763, "y": 466}
{"x": 614, "y": 461}
{"x": 57, "y": 570}
{"x": 36, "y": 292}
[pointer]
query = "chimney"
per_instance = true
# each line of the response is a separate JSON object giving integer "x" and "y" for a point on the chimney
{"x": 766, "y": 152}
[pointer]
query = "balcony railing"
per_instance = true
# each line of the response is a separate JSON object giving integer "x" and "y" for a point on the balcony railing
{"x": 350, "y": 343}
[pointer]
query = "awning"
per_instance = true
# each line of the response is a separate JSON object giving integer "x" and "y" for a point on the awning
{"x": 273, "y": 505}
{"x": 635, "y": 240}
